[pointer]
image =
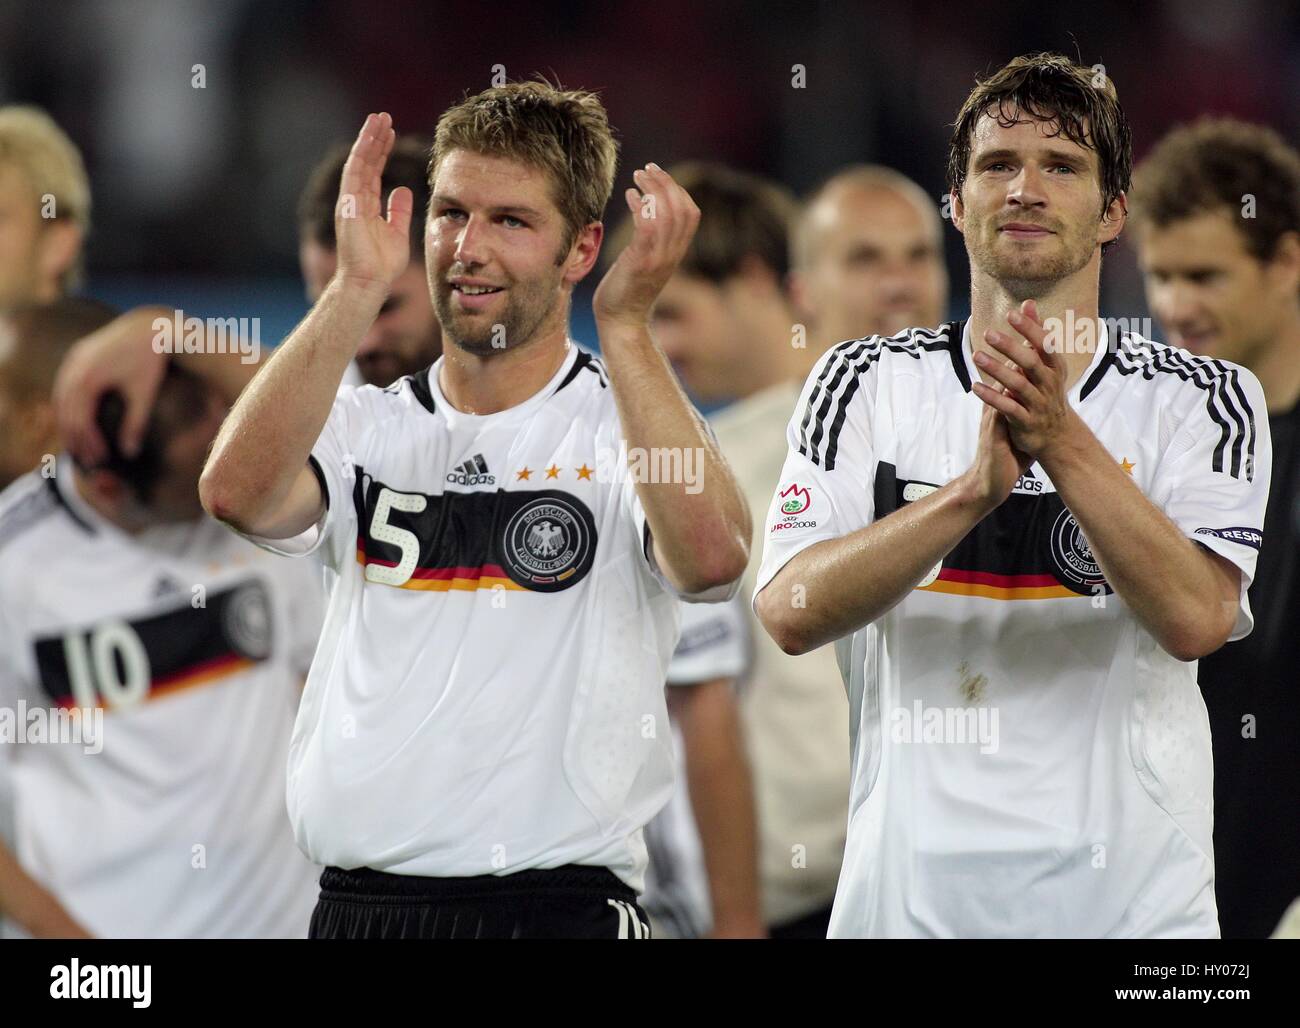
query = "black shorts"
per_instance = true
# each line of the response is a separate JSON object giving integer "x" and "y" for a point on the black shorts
{"x": 571, "y": 902}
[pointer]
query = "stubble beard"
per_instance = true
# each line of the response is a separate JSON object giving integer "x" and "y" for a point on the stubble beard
{"x": 1027, "y": 276}
{"x": 527, "y": 308}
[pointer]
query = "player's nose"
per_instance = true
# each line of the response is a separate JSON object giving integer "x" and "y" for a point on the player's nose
{"x": 1026, "y": 189}
{"x": 470, "y": 242}
{"x": 1176, "y": 305}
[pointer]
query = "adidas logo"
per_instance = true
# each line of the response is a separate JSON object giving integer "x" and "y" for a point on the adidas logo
{"x": 472, "y": 472}
{"x": 1029, "y": 483}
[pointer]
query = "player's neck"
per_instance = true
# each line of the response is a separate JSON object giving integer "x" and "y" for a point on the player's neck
{"x": 1067, "y": 306}
{"x": 488, "y": 385}
{"x": 130, "y": 518}
{"x": 1277, "y": 366}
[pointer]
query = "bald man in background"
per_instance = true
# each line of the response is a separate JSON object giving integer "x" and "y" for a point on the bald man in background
{"x": 867, "y": 258}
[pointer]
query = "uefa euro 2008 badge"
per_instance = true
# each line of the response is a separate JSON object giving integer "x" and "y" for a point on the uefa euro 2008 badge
{"x": 793, "y": 504}
{"x": 549, "y": 543}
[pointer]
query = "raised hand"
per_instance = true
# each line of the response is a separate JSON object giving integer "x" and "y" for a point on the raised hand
{"x": 120, "y": 356}
{"x": 664, "y": 219}
{"x": 373, "y": 249}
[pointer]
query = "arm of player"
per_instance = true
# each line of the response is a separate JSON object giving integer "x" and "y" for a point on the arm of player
{"x": 701, "y": 531}
{"x": 122, "y": 357}
{"x": 837, "y": 586}
{"x": 34, "y": 907}
{"x": 1185, "y": 595}
{"x": 722, "y": 799}
{"x": 257, "y": 478}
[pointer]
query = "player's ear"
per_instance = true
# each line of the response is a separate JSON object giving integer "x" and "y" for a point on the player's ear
{"x": 957, "y": 208}
{"x": 1283, "y": 267}
{"x": 797, "y": 290}
{"x": 59, "y": 247}
{"x": 584, "y": 252}
{"x": 1113, "y": 219}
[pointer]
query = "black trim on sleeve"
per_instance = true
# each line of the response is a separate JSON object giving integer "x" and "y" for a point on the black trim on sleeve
{"x": 314, "y": 464}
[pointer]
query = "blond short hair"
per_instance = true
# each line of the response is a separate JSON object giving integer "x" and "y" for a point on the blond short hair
{"x": 563, "y": 132}
{"x": 31, "y": 142}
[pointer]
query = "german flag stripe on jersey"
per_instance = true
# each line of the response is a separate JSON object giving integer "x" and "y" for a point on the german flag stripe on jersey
{"x": 487, "y": 576}
{"x": 1029, "y": 548}
{"x": 519, "y": 539}
{"x": 124, "y": 662}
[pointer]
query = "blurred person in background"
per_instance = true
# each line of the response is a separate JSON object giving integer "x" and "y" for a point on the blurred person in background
{"x": 702, "y": 878}
{"x": 183, "y": 644}
{"x": 44, "y": 208}
{"x": 726, "y": 322}
{"x": 34, "y": 339}
{"x": 44, "y": 219}
{"x": 868, "y": 257}
{"x": 405, "y": 338}
{"x": 1216, "y": 208}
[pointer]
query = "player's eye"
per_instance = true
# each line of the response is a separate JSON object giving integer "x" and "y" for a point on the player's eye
{"x": 452, "y": 213}
{"x": 1063, "y": 167}
{"x": 510, "y": 221}
{"x": 997, "y": 166}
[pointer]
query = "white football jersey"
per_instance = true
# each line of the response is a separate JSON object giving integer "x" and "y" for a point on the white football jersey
{"x": 491, "y": 670}
{"x": 194, "y": 645}
{"x": 1027, "y": 760}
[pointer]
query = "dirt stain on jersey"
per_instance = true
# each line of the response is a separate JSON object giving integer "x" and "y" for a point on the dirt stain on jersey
{"x": 972, "y": 685}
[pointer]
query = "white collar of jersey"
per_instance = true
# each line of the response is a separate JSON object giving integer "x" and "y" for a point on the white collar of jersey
{"x": 444, "y": 406}
{"x": 81, "y": 511}
{"x": 1099, "y": 355}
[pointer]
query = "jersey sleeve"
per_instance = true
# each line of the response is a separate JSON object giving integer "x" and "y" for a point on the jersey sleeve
{"x": 1214, "y": 477}
{"x": 334, "y": 459}
{"x": 714, "y": 643}
{"x": 826, "y": 485}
